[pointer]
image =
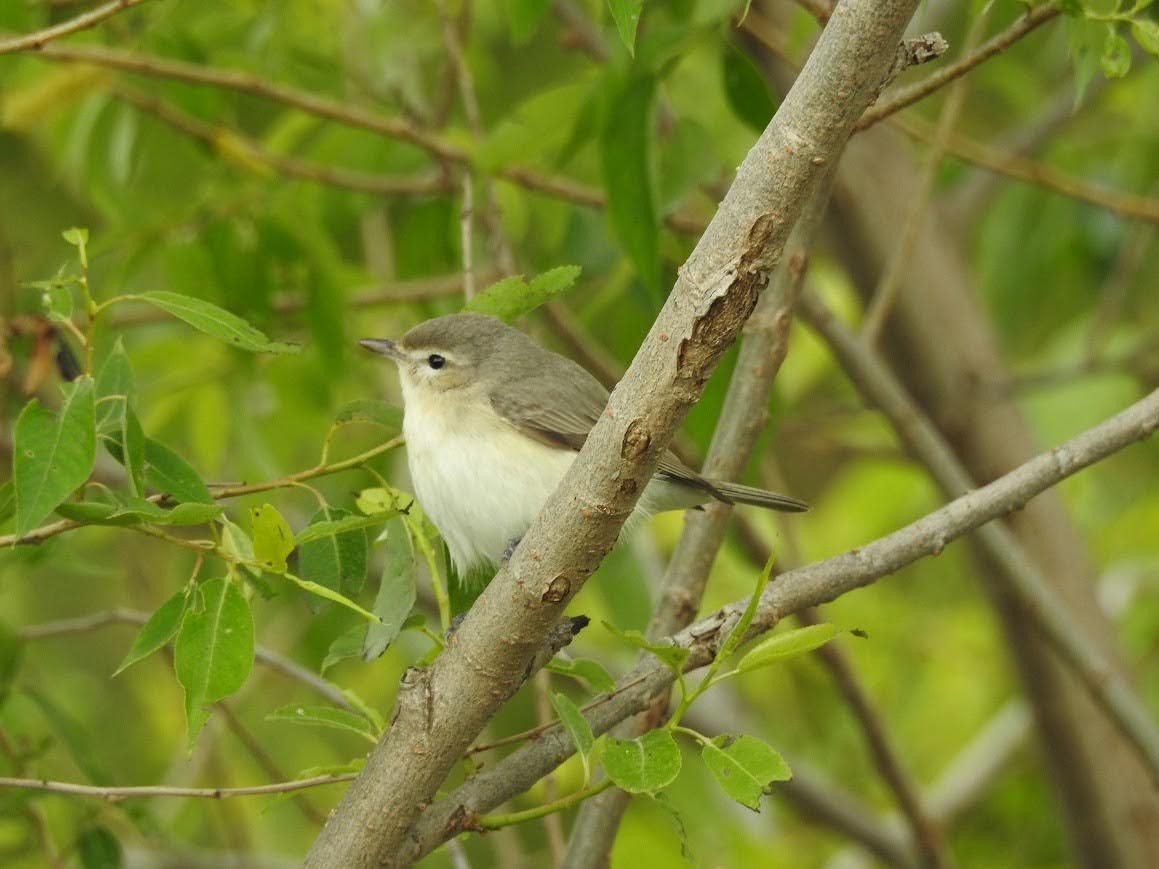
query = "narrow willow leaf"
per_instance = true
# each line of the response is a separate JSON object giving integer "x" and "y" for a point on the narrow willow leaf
{"x": 379, "y": 413}
{"x": 672, "y": 656}
{"x": 626, "y": 155}
{"x": 577, "y": 728}
{"x": 126, "y": 443}
{"x": 167, "y": 472}
{"x": 215, "y": 321}
{"x": 746, "y": 89}
{"x": 124, "y": 511}
{"x": 161, "y": 627}
{"x": 745, "y": 766}
{"x": 115, "y": 382}
{"x": 330, "y": 594}
{"x": 737, "y": 634}
{"x": 396, "y": 593}
{"x": 325, "y": 716}
{"x": 346, "y": 645}
{"x": 272, "y": 537}
{"x": 336, "y": 560}
{"x": 592, "y": 672}
{"x": 643, "y": 765}
{"x": 791, "y": 644}
{"x": 214, "y": 650}
{"x": 626, "y": 14}
{"x": 511, "y": 298}
{"x": 346, "y": 522}
{"x": 52, "y": 454}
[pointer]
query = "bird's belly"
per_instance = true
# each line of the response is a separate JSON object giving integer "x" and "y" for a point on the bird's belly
{"x": 480, "y": 480}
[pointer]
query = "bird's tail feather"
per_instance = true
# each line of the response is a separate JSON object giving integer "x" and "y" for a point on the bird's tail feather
{"x": 735, "y": 492}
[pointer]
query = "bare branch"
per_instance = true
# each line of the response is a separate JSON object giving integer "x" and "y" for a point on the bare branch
{"x": 1034, "y": 18}
{"x": 38, "y": 40}
{"x": 124, "y": 793}
{"x": 1020, "y": 574}
{"x": 814, "y": 584}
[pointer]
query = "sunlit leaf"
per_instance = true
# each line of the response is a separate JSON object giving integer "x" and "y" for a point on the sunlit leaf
{"x": 592, "y": 672}
{"x": 511, "y": 298}
{"x": 790, "y": 644}
{"x": 388, "y": 416}
{"x": 272, "y": 536}
{"x": 577, "y": 728}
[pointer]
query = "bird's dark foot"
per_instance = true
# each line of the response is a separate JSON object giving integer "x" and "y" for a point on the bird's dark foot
{"x": 510, "y": 550}
{"x": 454, "y": 625}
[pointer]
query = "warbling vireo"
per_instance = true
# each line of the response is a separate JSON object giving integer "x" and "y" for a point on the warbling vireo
{"x": 493, "y": 421}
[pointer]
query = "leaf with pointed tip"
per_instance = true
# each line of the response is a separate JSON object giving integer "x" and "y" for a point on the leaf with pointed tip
{"x": 52, "y": 454}
{"x": 161, "y": 627}
{"x": 218, "y": 322}
{"x": 396, "y": 593}
{"x": 214, "y": 650}
{"x": 577, "y": 728}
{"x": 745, "y": 767}
{"x": 325, "y": 716}
{"x": 337, "y": 559}
{"x": 369, "y": 410}
{"x": 782, "y": 647}
{"x": 626, "y": 14}
{"x": 167, "y": 472}
{"x": 511, "y": 298}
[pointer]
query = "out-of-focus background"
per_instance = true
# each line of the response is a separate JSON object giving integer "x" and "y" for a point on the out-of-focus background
{"x": 333, "y": 170}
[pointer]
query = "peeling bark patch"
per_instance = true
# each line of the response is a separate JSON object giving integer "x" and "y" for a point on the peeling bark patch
{"x": 636, "y": 441}
{"x": 557, "y": 590}
{"x": 721, "y": 323}
{"x": 628, "y": 488}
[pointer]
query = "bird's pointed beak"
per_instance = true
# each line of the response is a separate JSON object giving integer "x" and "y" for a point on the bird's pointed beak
{"x": 383, "y": 347}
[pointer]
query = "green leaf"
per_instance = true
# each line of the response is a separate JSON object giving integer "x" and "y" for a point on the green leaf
{"x": 336, "y": 560}
{"x": 511, "y": 298}
{"x": 396, "y": 592}
{"x": 325, "y": 716}
{"x": 124, "y": 511}
{"x": 7, "y": 501}
{"x": 347, "y": 644}
{"x": 56, "y": 297}
{"x": 161, "y": 627}
{"x": 330, "y": 594}
{"x": 577, "y": 728}
{"x": 626, "y": 154}
{"x": 215, "y": 321}
{"x": 347, "y": 523}
{"x": 272, "y": 537}
{"x": 626, "y": 14}
{"x": 115, "y": 380}
{"x": 643, "y": 765}
{"x": 380, "y": 500}
{"x": 167, "y": 472}
{"x": 745, "y": 766}
{"x": 737, "y": 634}
{"x": 592, "y": 672}
{"x": 214, "y": 650}
{"x": 1146, "y": 33}
{"x": 745, "y": 87}
{"x": 98, "y": 848}
{"x": 790, "y": 644}
{"x": 671, "y": 655}
{"x": 11, "y": 655}
{"x": 78, "y": 237}
{"x": 52, "y": 454}
{"x": 1116, "y": 56}
{"x": 369, "y": 410}
{"x": 125, "y": 442}
{"x": 523, "y": 18}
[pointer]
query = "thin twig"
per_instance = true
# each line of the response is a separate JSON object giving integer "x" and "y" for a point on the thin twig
{"x": 38, "y": 40}
{"x": 252, "y": 156}
{"x": 926, "y": 834}
{"x": 972, "y": 151}
{"x": 123, "y": 793}
{"x": 1036, "y": 17}
{"x": 893, "y": 274}
{"x": 1021, "y": 575}
{"x": 794, "y": 590}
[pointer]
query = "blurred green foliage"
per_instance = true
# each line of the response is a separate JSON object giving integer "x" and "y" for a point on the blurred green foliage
{"x": 652, "y": 134}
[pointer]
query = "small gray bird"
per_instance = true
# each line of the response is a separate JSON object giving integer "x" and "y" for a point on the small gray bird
{"x": 493, "y": 421}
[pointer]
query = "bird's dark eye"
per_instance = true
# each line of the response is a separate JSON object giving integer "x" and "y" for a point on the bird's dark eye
{"x": 436, "y": 361}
